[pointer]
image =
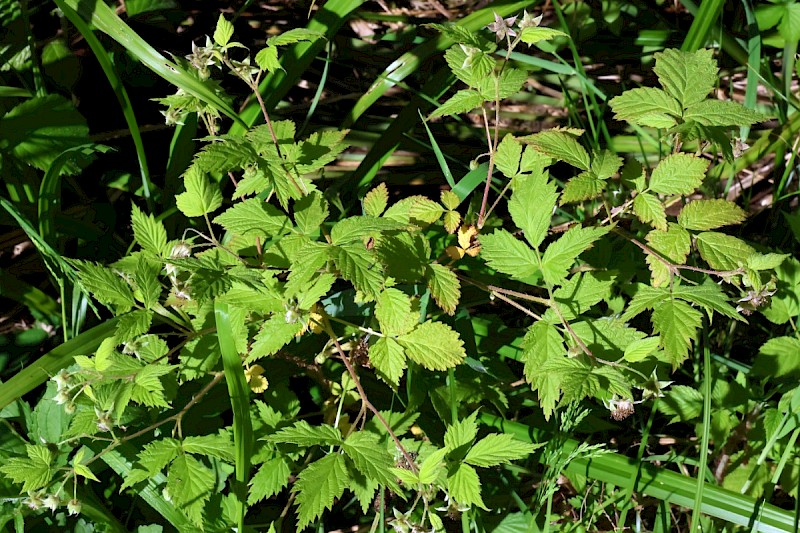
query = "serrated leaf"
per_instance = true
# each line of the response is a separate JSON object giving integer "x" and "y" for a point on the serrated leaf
{"x": 688, "y": 76}
{"x": 645, "y": 297}
{"x": 356, "y": 228}
{"x": 723, "y": 252}
{"x": 469, "y": 69}
{"x": 677, "y": 323}
{"x": 678, "y": 174}
{"x": 434, "y": 345}
{"x": 200, "y": 198}
{"x": 267, "y": 59}
{"x": 561, "y": 254}
{"x": 533, "y": 35}
{"x": 463, "y": 101}
{"x": 32, "y": 473}
{"x": 105, "y": 284}
{"x": 451, "y": 221}
{"x": 149, "y": 233}
{"x": 223, "y": 31}
{"x": 318, "y": 486}
{"x": 388, "y": 359}
{"x": 779, "y": 358}
{"x": 498, "y": 449}
{"x": 370, "y": 457}
{"x": 449, "y": 200}
{"x": 507, "y": 254}
{"x": 673, "y": 245}
{"x": 304, "y": 434}
{"x": 461, "y": 434}
{"x": 360, "y": 267}
{"x": 582, "y": 187}
{"x": 766, "y": 261}
{"x": 133, "y": 324}
{"x": 650, "y": 210}
{"x": 218, "y": 446}
{"x": 507, "y": 156}
{"x": 394, "y": 314}
{"x": 531, "y": 205}
{"x": 605, "y": 164}
{"x": 708, "y": 295}
{"x": 560, "y": 145}
{"x": 432, "y": 467}
{"x": 464, "y": 486}
{"x": 232, "y": 153}
{"x": 157, "y": 454}
{"x": 295, "y": 35}
{"x": 275, "y": 333}
{"x": 271, "y": 478}
{"x": 722, "y": 113}
{"x": 639, "y": 349}
{"x": 189, "y": 485}
{"x": 542, "y": 343}
{"x": 704, "y": 215}
{"x": 417, "y": 210}
{"x": 254, "y": 216}
{"x": 508, "y": 83}
{"x": 310, "y": 212}
{"x": 376, "y": 200}
{"x": 83, "y": 471}
{"x": 579, "y": 294}
{"x": 444, "y": 286}
{"x": 646, "y": 106}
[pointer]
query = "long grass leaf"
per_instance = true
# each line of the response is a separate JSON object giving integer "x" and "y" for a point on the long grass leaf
{"x": 119, "y": 91}
{"x": 14, "y": 92}
{"x": 448, "y": 176}
{"x": 753, "y": 62}
{"x": 50, "y": 363}
{"x": 240, "y": 401}
{"x": 708, "y": 379}
{"x": 704, "y": 19}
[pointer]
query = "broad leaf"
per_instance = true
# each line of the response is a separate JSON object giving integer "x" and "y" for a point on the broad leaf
{"x": 531, "y": 205}
{"x": 388, "y": 359}
{"x": 464, "y": 486}
{"x": 149, "y": 233}
{"x": 394, "y": 313}
{"x": 646, "y": 107}
{"x": 687, "y": 76}
{"x": 498, "y": 449}
{"x": 723, "y": 252}
{"x": 677, "y": 323}
{"x": 561, "y": 254}
{"x": 318, "y": 486}
{"x": 560, "y": 145}
{"x": 507, "y": 254}
{"x": 650, "y": 210}
{"x": 270, "y": 479}
{"x": 444, "y": 286}
{"x": 704, "y": 215}
{"x": 434, "y": 345}
{"x": 304, "y": 434}
{"x": 722, "y": 113}
{"x": 254, "y": 216}
{"x": 461, "y": 102}
{"x": 200, "y": 198}
{"x": 584, "y": 186}
{"x": 678, "y": 174}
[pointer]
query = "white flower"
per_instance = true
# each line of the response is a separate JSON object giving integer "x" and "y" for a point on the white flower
{"x": 52, "y": 502}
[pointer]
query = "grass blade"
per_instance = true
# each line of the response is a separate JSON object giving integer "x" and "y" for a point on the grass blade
{"x": 439, "y": 155}
{"x": 50, "y": 363}
{"x": 240, "y": 401}
{"x": 14, "y": 92}
{"x": 704, "y": 19}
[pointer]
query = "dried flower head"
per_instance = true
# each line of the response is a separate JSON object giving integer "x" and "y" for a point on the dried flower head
{"x": 621, "y": 408}
{"x": 502, "y": 28}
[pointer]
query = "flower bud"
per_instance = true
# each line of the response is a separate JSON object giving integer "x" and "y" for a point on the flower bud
{"x": 52, "y": 502}
{"x": 74, "y": 507}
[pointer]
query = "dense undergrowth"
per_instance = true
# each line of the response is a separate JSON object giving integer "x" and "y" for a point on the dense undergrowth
{"x": 426, "y": 267}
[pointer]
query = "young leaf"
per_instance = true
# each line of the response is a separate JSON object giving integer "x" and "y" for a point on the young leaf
{"x": 710, "y": 214}
{"x": 156, "y": 455}
{"x": 507, "y": 254}
{"x": 274, "y": 334}
{"x": 223, "y": 32}
{"x": 444, "y": 286}
{"x": 532, "y": 204}
{"x": 561, "y": 254}
{"x": 417, "y": 210}
{"x": 267, "y": 59}
{"x": 533, "y": 35}
{"x": 295, "y": 35}
{"x": 464, "y": 486}
{"x": 646, "y": 106}
{"x": 470, "y": 64}
{"x": 149, "y": 233}
{"x": 34, "y": 472}
{"x": 507, "y": 156}
{"x": 189, "y": 485}
{"x": 498, "y": 449}
{"x": 388, "y": 359}
{"x": 394, "y": 314}
{"x": 508, "y": 83}
{"x": 650, "y": 210}
{"x": 678, "y": 174}
{"x": 254, "y": 215}
{"x": 304, "y": 434}
{"x": 432, "y": 467}
{"x": 370, "y": 457}
{"x": 376, "y": 200}
{"x": 200, "y": 198}
{"x": 461, "y": 102}
{"x": 434, "y": 345}
{"x": 687, "y": 76}
{"x": 360, "y": 267}
{"x": 270, "y": 479}
{"x": 461, "y": 434}
{"x": 605, "y": 164}
{"x": 582, "y": 187}
{"x": 560, "y": 145}
{"x": 542, "y": 343}
{"x": 723, "y": 252}
{"x": 310, "y": 212}
{"x": 318, "y": 486}
{"x": 722, "y": 113}
{"x": 673, "y": 245}
{"x": 677, "y": 323}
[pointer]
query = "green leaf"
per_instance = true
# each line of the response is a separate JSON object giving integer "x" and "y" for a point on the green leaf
{"x": 148, "y": 389}
{"x": 295, "y": 35}
{"x": 645, "y": 297}
{"x": 507, "y": 254}
{"x": 156, "y": 455}
{"x": 678, "y": 174}
{"x": 310, "y": 212}
{"x": 444, "y": 286}
{"x": 461, "y": 434}
{"x": 105, "y": 284}
{"x": 219, "y": 446}
{"x": 561, "y": 254}
{"x": 254, "y": 216}
{"x": 464, "y": 486}
{"x": 432, "y": 467}
{"x": 417, "y": 210}
{"x": 200, "y": 198}
{"x": 708, "y": 295}
{"x": 710, "y": 214}
{"x": 274, "y": 334}
{"x": 766, "y": 261}
{"x": 779, "y": 358}
{"x": 318, "y": 486}
{"x": 605, "y": 164}
{"x": 304, "y": 434}
{"x": 542, "y": 343}
{"x": 388, "y": 359}
{"x": 639, "y": 349}
{"x": 33, "y": 473}
{"x": 529, "y": 191}
{"x": 579, "y": 294}
{"x": 223, "y": 156}
{"x": 376, "y": 200}
{"x": 267, "y": 59}
{"x": 509, "y": 83}
{"x": 470, "y": 69}
{"x": 189, "y": 485}
{"x": 677, "y": 323}
{"x": 394, "y": 314}
{"x": 223, "y": 31}
{"x": 723, "y": 252}
{"x": 434, "y": 345}
{"x": 688, "y": 76}
{"x": 561, "y": 145}
{"x": 360, "y": 267}
{"x": 270, "y": 479}
{"x": 498, "y": 449}
{"x": 582, "y": 187}
{"x": 722, "y": 113}
{"x": 463, "y": 101}
{"x": 371, "y": 457}
{"x": 673, "y": 245}
{"x": 357, "y": 228}
{"x": 150, "y": 234}
{"x": 646, "y": 106}
{"x": 650, "y": 210}
{"x": 533, "y": 35}
{"x": 507, "y": 156}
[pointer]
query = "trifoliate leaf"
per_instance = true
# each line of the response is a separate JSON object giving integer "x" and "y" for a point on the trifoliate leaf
{"x": 388, "y": 359}
{"x": 223, "y": 31}
{"x": 507, "y": 254}
{"x": 149, "y": 233}
{"x": 531, "y": 205}
{"x": 464, "y": 486}
{"x": 218, "y": 446}
{"x": 370, "y": 457}
{"x": 543, "y": 342}
{"x": 722, "y": 113}
{"x": 360, "y": 267}
{"x": 189, "y": 485}
{"x": 498, "y": 449}
{"x": 646, "y": 106}
{"x": 318, "y": 486}
{"x": 200, "y": 198}
{"x": 394, "y": 314}
{"x": 677, "y": 323}
{"x": 704, "y": 215}
{"x": 310, "y": 212}
{"x": 507, "y": 156}
{"x": 444, "y": 286}
{"x": 687, "y": 76}
{"x": 33, "y": 473}
{"x": 723, "y": 252}
{"x": 560, "y": 145}
{"x": 275, "y": 333}
{"x": 561, "y": 254}
{"x": 461, "y": 434}
{"x": 254, "y": 216}
{"x": 779, "y": 358}
{"x": 376, "y": 200}
{"x": 650, "y": 210}
{"x": 304, "y": 434}
{"x": 678, "y": 174}
{"x": 270, "y": 479}
{"x": 582, "y": 187}
{"x": 434, "y": 345}
{"x": 463, "y": 101}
